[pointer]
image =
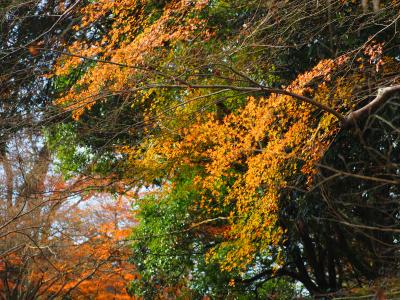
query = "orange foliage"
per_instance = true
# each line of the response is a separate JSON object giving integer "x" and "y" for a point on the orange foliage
{"x": 94, "y": 264}
{"x": 84, "y": 253}
{"x": 133, "y": 38}
{"x": 273, "y": 139}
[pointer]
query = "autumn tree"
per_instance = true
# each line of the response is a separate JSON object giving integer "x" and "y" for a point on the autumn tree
{"x": 285, "y": 115}
{"x": 92, "y": 257}
{"x": 59, "y": 238}
{"x": 50, "y": 248}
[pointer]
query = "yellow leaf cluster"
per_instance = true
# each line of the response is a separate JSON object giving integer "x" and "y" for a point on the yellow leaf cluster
{"x": 262, "y": 148}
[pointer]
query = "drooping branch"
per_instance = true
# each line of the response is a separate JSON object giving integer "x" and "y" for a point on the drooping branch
{"x": 384, "y": 94}
{"x": 257, "y": 88}
{"x": 250, "y": 89}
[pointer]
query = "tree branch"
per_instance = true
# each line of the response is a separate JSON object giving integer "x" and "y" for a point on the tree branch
{"x": 384, "y": 94}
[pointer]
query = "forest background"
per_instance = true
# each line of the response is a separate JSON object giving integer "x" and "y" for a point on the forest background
{"x": 199, "y": 149}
